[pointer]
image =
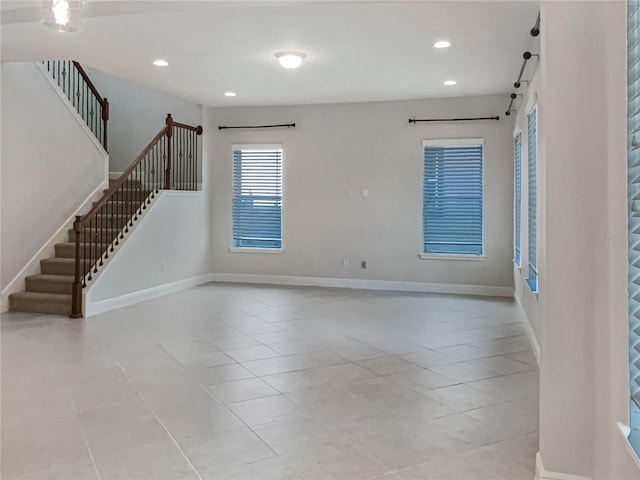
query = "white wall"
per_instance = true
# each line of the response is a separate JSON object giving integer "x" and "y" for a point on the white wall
{"x": 136, "y": 115}
{"x": 582, "y": 312}
{"x": 167, "y": 250}
{"x": 531, "y": 94}
{"x": 334, "y": 152}
{"x": 50, "y": 165}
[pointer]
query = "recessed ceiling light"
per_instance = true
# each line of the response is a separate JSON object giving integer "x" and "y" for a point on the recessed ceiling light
{"x": 449, "y": 82}
{"x": 442, "y": 44}
{"x": 290, "y": 59}
{"x": 160, "y": 62}
{"x": 229, "y": 94}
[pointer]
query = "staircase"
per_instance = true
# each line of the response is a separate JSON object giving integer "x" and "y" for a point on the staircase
{"x": 51, "y": 290}
{"x": 170, "y": 161}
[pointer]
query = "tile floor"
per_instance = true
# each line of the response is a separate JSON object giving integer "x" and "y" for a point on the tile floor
{"x": 248, "y": 382}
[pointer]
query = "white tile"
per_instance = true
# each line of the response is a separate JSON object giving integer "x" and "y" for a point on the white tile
{"x": 502, "y": 365}
{"x": 162, "y": 460}
{"x": 203, "y": 360}
{"x": 461, "y": 397}
{"x": 448, "y": 469}
{"x": 271, "y": 366}
{"x": 74, "y": 471}
{"x": 264, "y": 410}
{"x": 347, "y": 389}
{"x": 190, "y": 426}
{"x": 388, "y": 365}
{"x": 214, "y": 456}
{"x": 222, "y": 374}
{"x": 292, "y": 381}
{"x": 240, "y": 390}
{"x": 422, "y": 380}
{"x": 463, "y": 371}
{"x": 429, "y": 358}
{"x": 247, "y": 354}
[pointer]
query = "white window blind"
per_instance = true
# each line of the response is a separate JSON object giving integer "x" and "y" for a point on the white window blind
{"x": 517, "y": 204}
{"x": 532, "y": 193}
{"x": 452, "y": 198}
{"x": 633, "y": 192}
{"x": 257, "y": 197}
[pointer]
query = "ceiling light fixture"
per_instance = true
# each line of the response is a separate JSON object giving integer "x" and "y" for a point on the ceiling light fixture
{"x": 229, "y": 94}
{"x": 160, "y": 62}
{"x": 290, "y": 59}
{"x": 449, "y": 82}
{"x": 62, "y": 15}
{"x": 442, "y": 44}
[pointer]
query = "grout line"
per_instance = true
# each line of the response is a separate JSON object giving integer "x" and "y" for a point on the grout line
{"x": 84, "y": 436}
{"x": 175, "y": 442}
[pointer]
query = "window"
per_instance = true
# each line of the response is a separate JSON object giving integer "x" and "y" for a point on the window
{"x": 257, "y": 196}
{"x": 532, "y": 217}
{"x": 633, "y": 192}
{"x": 452, "y": 197}
{"x": 517, "y": 203}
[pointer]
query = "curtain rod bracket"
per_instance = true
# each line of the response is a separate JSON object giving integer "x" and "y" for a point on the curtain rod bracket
{"x": 535, "y": 31}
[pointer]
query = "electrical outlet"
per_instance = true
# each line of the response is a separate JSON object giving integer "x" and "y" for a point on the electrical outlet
{"x": 345, "y": 263}
{"x": 363, "y": 264}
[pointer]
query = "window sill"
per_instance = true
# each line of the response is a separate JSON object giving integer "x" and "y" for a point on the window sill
{"x": 255, "y": 250}
{"x": 518, "y": 266}
{"x": 533, "y": 289}
{"x": 438, "y": 256}
{"x": 624, "y": 430}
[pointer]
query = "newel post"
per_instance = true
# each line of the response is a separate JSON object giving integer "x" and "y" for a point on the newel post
{"x": 105, "y": 119}
{"x": 167, "y": 173}
{"x": 76, "y": 288}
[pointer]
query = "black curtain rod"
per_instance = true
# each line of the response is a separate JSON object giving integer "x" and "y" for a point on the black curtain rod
{"x": 526, "y": 56}
{"x": 225, "y": 127}
{"x": 509, "y": 109}
{"x": 414, "y": 120}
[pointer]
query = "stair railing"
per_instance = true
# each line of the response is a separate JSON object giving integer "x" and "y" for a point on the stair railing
{"x": 83, "y": 95}
{"x": 170, "y": 161}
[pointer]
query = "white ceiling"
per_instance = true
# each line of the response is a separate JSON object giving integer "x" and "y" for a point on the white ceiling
{"x": 356, "y": 51}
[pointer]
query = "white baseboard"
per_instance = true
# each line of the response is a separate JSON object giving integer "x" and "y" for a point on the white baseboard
{"x": 363, "y": 284}
{"x": 542, "y": 474}
{"x": 142, "y": 295}
{"x": 533, "y": 340}
{"x": 94, "y": 308}
{"x": 17, "y": 284}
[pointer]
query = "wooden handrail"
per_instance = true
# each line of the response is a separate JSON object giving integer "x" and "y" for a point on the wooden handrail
{"x": 74, "y": 82}
{"x": 121, "y": 179}
{"x": 94, "y": 90}
{"x": 197, "y": 129}
{"x": 99, "y": 231}
{"x": 104, "y": 103}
